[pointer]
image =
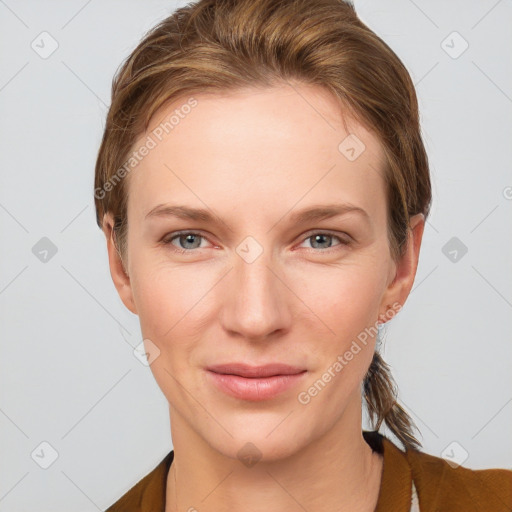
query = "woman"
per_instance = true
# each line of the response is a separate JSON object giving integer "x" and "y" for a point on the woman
{"x": 263, "y": 188}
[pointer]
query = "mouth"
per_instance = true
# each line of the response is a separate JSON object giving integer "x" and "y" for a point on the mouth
{"x": 247, "y": 371}
{"x": 255, "y": 383}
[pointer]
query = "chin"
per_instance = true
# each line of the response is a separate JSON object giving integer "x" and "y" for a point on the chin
{"x": 264, "y": 439}
{"x": 250, "y": 452}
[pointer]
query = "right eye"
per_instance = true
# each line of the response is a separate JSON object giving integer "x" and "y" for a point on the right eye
{"x": 187, "y": 241}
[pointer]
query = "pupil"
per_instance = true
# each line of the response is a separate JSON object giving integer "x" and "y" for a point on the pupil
{"x": 189, "y": 238}
{"x": 318, "y": 238}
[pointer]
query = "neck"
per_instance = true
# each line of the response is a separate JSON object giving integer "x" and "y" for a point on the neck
{"x": 337, "y": 471}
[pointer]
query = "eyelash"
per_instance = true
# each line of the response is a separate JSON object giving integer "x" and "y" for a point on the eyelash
{"x": 168, "y": 241}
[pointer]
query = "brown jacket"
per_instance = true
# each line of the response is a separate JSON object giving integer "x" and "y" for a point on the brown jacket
{"x": 440, "y": 487}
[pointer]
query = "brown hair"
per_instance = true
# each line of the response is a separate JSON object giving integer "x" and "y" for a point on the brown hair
{"x": 222, "y": 45}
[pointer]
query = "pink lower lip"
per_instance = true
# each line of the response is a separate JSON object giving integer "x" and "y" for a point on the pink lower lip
{"x": 255, "y": 389}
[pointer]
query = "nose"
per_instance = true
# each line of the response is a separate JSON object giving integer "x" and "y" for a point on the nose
{"x": 258, "y": 302}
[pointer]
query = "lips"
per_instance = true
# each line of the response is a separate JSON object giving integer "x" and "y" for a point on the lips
{"x": 255, "y": 383}
{"x": 247, "y": 371}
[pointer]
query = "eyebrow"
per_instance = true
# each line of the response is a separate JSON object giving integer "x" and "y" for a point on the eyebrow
{"x": 313, "y": 213}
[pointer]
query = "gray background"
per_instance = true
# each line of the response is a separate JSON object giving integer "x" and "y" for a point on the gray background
{"x": 67, "y": 369}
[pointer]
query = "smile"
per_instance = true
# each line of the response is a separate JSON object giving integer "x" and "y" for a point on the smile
{"x": 256, "y": 388}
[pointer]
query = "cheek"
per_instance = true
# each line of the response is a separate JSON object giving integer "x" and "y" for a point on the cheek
{"x": 174, "y": 300}
{"x": 168, "y": 304}
{"x": 346, "y": 303}
{"x": 346, "y": 300}
{"x": 163, "y": 298}
{"x": 343, "y": 299}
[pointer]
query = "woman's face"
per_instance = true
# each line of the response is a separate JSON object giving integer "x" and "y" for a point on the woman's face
{"x": 257, "y": 280}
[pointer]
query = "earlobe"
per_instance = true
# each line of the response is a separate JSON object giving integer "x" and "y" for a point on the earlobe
{"x": 118, "y": 271}
{"x": 400, "y": 286}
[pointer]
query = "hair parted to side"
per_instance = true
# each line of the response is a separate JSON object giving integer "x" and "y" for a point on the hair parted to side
{"x": 224, "y": 45}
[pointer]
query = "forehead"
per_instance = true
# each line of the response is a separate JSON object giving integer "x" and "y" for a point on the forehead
{"x": 291, "y": 142}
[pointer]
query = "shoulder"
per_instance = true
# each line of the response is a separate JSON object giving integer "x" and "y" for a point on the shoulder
{"x": 148, "y": 494}
{"x": 442, "y": 486}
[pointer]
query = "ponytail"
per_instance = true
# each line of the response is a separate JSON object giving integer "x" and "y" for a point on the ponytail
{"x": 380, "y": 393}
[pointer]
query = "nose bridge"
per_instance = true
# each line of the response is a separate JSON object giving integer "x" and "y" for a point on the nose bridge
{"x": 258, "y": 304}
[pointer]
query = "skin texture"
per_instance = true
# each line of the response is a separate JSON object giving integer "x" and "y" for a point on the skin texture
{"x": 255, "y": 157}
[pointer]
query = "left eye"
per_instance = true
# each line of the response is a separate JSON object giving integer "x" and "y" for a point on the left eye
{"x": 320, "y": 238}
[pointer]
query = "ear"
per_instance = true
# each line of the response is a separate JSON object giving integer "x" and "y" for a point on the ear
{"x": 405, "y": 271}
{"x": 118, "y": 272}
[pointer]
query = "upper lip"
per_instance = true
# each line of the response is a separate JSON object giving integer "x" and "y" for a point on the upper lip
{"x": 245, "y": 370}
